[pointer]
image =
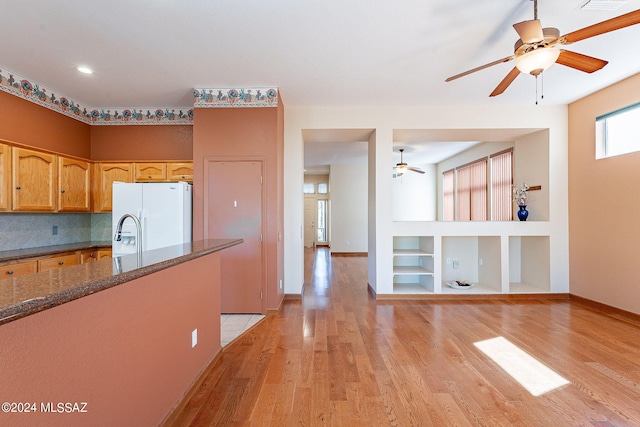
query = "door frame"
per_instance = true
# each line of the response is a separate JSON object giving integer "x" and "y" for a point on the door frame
{"x": 263, "y": 253}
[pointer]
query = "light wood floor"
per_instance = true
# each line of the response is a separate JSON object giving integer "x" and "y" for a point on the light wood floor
{"x": 340, "y": 358}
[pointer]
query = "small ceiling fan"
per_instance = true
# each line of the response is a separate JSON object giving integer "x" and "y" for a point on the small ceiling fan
{"x": 402, "y": 167}
{"x": 537, "y": 48}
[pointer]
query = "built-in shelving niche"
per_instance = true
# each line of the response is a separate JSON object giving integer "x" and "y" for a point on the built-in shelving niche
{"x": 413, "y": 264}
{"x": 475, "y": 259}
{"x": 529, "y": 269}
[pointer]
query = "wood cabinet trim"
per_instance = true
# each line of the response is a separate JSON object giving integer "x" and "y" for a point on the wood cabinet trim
{"x": 42, "y": 190}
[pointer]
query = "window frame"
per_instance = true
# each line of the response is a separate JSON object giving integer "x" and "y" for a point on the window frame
{"x": 602, "y": 130}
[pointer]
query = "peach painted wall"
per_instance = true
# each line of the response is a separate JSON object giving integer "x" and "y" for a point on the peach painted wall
{"x": 603, "y": 202}
{"x": 142, "y": 142}
{"x": 246, "y": 132}
{"x": 126, "y": 351}
{"x": 27, "y": 123}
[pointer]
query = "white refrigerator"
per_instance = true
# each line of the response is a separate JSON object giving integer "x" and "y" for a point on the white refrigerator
{"x": 164, "y": 211}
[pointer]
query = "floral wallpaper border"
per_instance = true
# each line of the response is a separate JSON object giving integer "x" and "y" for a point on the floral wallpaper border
{"x": 235, "y": 97}
{"x": 15, "y": 84}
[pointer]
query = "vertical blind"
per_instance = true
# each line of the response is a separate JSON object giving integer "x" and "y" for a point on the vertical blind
{"x": 463, "y": 182}
{"x": 448, "y": 196}
{"x": 466, "y": 190}
{"x": 501, "y": 186}
{"x": 472, "y": 191}
{"x": 479, "y": 191}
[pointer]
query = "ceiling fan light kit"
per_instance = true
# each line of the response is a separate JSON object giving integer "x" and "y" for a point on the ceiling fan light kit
{"x": 537, "y": 48}
{"x": 401, "y": 168}
{"x": 536, "y": 61}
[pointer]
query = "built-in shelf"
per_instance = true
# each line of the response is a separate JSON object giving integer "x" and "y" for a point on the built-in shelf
{"x": 498, "y": 262}
{"x": 411, "y": 289}
{"x": 478, "y": 288}
{"x": 413, "y": 265}
{"x": 411, "y": 252}
{"x": 409, "y": 269}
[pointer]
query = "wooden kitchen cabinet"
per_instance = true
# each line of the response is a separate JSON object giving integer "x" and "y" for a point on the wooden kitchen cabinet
{"x": 180, "y": 171}
{"x": 5, "y": 177}
{"x": 104, "y": 253}
{"x": 34, "y": 179}
{"x": 94, "y": 255}
{"x": 74, "y": 185}
{"x": 150, "y": 172}
{"x": 105, "y": 175}
{"x": 58, "y": 261}
{"x": 88, "y": 256}
{"x": 17, "y": 268}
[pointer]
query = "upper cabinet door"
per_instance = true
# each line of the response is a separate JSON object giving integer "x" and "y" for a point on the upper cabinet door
{"x": 73, "y": 185}
{"x": 106, "y": 175}
{"x": 5, "y": 177}
{"x": 146, "y": 172}
{"x": 180, "y": 171}
{"x": 34, "y": 180}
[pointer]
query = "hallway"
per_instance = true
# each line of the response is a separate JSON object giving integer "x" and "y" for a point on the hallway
{"x": 338, "y": 357}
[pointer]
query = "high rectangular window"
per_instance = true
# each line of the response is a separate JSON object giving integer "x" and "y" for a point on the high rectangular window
{"x": 618, "y": 132}
{"x": 309, "y": 188}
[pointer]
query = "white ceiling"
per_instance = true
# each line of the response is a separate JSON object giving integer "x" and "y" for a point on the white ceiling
{"x": 318, "y": 53}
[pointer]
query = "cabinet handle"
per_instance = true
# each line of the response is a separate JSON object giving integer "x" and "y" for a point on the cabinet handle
{"x": 10, "y": 272}
{"x": 91, "y": 255}
{"x": 61, "y": 263}
{"x": 62, "y": 191}
{"x": 182, "y": 176}
{"x": 17, "y": 188}
{"x": 149, "y": 176}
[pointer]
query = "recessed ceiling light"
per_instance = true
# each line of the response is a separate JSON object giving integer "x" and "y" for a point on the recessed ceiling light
{"x": 84, "y": 70}
{"x": 603, "y": 4}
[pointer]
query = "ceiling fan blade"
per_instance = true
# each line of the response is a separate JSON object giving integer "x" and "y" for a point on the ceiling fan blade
{"x": 504, "y": 84}
{"x": 415, "y": 170}
{"x": 482, "y": 67}
{"x": 529, "y": 31}
{"x": 612, "y": 24}
{"x": 581, "y": 62}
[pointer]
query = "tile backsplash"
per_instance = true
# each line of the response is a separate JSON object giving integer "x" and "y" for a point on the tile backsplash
{"x": 20, "y": 231}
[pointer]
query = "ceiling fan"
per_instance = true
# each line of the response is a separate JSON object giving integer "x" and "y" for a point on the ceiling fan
{"x": 402, "y": 167}
{"x": 537, "y": 48}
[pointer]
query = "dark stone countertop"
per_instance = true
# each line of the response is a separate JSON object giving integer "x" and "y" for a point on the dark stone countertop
{"x": 26, "y": 295}
{"x": 18, "y": 254}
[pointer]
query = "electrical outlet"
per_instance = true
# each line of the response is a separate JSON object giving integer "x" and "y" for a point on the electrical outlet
{"x": 281, "y": 284}
{"x": 194, "y": 337}
{"x": 54, "y": 230}
{"x": 480, "y": 261}
{"x": 456, "y": 264}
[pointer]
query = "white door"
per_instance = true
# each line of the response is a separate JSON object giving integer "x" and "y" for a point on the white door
{"x": 309, "y": 221}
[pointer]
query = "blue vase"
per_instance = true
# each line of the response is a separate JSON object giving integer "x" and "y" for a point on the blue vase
{"x": 523, "y": 213}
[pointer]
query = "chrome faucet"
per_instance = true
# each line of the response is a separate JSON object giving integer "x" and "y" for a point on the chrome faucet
{"x": 118, "y": 235}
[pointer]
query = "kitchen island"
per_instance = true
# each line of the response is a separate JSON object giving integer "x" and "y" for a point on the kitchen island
{"x": 112, "y": 342}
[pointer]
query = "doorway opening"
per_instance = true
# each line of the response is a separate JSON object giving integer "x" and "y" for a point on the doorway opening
{"x": 316, "y": 211}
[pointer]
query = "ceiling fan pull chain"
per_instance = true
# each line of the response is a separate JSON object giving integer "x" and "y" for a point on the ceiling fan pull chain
{"x": 536, "y": 90}
{"x": 542, "y": 85}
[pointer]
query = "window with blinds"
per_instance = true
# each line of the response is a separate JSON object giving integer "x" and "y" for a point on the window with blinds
{"x": 502, "y": 186}
{"x": 472, "y": 191}
{"x": 449, "y": 194}
{"x": 469, "y": 190}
